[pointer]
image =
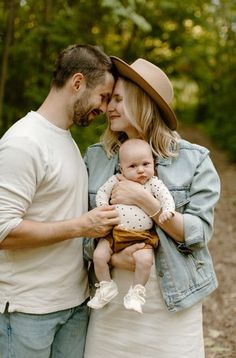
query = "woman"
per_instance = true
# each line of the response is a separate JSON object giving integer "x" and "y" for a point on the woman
{"x": 183, "y": 273}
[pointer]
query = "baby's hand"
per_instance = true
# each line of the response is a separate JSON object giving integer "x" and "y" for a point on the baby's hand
{"x": 165, "y": 216}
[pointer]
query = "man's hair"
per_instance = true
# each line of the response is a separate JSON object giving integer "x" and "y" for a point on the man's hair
{"x": 89, "y": 60}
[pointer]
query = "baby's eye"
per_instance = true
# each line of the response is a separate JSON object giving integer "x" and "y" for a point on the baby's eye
{"x": 146, "y": 164}
{"x": 132, "y": 166}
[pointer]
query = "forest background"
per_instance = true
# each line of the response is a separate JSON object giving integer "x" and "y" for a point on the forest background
{"x": 193, "y": 41}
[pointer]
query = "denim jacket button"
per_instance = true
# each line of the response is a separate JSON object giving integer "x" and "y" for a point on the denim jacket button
{"x": 161, "y": 274}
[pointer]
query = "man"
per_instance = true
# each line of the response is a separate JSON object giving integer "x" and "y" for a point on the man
{"x": 43, "y": 201}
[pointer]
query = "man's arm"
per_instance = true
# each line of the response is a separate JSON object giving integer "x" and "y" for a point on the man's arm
{"x": 22, "y": 170}
{"x": 30, "y": 234}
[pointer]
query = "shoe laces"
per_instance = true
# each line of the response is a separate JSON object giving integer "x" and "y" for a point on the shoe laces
{"x": 98, "y": 290}
{"x": 140, "y": 290}
{"x": 138, "y": 293}
{"x": 101, "y": 289}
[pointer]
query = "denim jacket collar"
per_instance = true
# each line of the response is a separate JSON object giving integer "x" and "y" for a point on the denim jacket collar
{"x": 163, "y": 161}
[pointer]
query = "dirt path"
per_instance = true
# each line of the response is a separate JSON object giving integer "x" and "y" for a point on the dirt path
{"x": 220, "y": 307}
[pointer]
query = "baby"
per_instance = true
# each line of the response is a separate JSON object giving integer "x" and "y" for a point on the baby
{"x": 136, "y": 164}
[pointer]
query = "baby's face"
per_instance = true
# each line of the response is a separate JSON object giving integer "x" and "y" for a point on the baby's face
{"x": 137, "y": 165}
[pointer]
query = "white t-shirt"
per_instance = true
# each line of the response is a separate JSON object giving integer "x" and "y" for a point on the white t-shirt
{"x": 42, "y": 178}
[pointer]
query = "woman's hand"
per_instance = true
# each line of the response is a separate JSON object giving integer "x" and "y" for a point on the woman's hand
{"x": 124, "y": 259}
{"x": 132, "y": 193}
{"x": 126, "y": 192}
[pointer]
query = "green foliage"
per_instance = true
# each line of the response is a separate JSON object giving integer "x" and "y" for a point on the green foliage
{"x": 220, "y": 112}
{"x": 85, "y": 136}
{"x": 194, "y": 41}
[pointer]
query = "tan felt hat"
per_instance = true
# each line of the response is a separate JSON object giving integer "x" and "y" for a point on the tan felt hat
{"x": 153, "y": 81}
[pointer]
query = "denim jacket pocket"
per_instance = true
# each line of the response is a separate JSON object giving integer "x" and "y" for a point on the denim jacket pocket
{"x": 181, "y": 197}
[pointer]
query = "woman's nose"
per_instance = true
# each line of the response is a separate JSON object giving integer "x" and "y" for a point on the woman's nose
{"x": 110, "y": 107}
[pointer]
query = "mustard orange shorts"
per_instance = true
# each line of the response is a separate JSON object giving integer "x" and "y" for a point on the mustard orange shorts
{"x": 121, "y": 238}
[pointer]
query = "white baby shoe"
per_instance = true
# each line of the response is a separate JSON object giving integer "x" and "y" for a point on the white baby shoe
{"x": 105, "y": 292}
{"x": 135, "y": 298}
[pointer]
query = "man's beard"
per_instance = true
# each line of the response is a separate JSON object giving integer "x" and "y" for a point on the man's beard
{"x": 83, "y": 110}
{"x": 83, "y": 121}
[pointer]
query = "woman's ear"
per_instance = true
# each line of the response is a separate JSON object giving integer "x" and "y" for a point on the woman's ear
{"x": 120, "y": 168}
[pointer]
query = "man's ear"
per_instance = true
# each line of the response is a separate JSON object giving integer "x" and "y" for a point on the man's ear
{"x": 78, "y": 81}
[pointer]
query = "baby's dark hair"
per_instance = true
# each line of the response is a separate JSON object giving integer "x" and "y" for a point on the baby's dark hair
{"x": 89, "y": 60}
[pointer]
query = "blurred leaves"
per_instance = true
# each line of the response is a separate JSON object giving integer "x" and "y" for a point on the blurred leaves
{"x": 193, "y": 41}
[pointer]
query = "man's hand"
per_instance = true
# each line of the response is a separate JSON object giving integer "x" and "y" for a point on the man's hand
{"x": 99, "y": 221}
{"x": 124, "y": 259}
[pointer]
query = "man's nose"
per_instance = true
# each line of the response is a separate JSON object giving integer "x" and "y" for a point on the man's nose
{"x": 103, "y": 107}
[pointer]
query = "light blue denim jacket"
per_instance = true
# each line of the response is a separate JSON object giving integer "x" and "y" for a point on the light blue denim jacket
{"x": 185, "y": 270}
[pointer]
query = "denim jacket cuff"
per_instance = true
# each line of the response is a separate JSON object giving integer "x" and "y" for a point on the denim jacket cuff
{"x": 193, "y": 232}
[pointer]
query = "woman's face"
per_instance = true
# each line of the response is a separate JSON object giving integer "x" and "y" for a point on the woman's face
{"x": 119, "y": 122}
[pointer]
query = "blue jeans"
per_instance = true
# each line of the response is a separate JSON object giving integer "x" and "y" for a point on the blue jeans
{"x": 56, "y": 335}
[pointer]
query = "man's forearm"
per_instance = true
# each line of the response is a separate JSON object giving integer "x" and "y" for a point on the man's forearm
{"x": 31, "y": 234}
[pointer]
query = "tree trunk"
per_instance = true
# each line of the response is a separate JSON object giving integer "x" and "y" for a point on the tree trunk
{"x": 10, "y": 6}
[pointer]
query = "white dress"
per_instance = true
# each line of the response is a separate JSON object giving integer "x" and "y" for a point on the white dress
{"x": 115, "y": 332}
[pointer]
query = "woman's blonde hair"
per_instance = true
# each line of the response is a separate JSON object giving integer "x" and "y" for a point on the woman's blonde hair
{"x": 144, "y": 115}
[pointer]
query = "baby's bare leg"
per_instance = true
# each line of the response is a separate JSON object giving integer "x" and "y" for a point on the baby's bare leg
{"x": 143, "y": 263}
{"x": 101, "y": 257}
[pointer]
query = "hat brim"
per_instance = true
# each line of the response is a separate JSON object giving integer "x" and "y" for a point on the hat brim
{"x": 126, "y": 71}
